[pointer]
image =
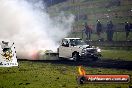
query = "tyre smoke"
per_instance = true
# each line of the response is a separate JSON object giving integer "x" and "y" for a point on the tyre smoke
{"x": 30, "y": 27}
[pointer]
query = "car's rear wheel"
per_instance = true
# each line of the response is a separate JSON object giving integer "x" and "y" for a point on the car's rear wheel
{"x": 75, "y": 56}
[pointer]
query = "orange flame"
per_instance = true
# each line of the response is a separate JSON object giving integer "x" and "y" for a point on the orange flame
{"x": 81, "y": 71}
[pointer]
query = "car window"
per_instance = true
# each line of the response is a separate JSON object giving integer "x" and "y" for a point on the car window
{"x": 77, "y": 42}
{"x": 64, "y": 42}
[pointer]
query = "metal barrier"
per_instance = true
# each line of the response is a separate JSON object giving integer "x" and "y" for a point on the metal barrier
{"x": 110, "y": 44}
{"x": 118, "y": 36}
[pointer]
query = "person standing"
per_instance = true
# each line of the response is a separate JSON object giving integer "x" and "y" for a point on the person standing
{"x": 87, "y": 31}
{"x": 127, "y": 29}
{"x": 110, "y": 31}
{"x": 99, "y": 29}
{"x": 130, "y": 27}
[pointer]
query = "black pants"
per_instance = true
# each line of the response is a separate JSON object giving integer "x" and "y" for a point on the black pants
{"x": 127, "y": 34}
{"x": 88, "y": 35}
{"x": 110, "y": 35}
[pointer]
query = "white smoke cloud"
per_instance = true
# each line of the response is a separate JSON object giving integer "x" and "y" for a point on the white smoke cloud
{"x": 30, "y": 26}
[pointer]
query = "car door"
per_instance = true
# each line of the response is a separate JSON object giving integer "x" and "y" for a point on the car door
{"x": 64, "y": 49}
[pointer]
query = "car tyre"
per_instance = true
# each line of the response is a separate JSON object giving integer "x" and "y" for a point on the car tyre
{"x": 75, "y": 56}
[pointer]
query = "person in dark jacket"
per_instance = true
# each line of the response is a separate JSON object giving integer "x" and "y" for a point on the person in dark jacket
{"x": 127, "y": 29}
{"x": 130, "y": 27}
{"x": 110, "y": 31}
{"x": 99, "y": 29}
{"x": 87, "y": 31}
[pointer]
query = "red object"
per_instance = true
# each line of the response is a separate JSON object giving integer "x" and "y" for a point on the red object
{"x": 85, "y": 78}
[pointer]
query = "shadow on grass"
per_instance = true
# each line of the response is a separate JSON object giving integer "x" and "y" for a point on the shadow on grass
{"x": 116, "y": 64}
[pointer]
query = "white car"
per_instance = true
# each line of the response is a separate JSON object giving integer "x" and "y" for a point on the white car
{"x": 77, "y": 49}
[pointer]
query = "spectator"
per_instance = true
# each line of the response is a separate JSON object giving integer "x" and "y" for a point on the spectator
{"x": 130, "y": 26}
{"x": 110, "y": 31}
{"x": 87, "y": 31}
{"x": 99, "y": 29}
{"x": 127, "y": 29}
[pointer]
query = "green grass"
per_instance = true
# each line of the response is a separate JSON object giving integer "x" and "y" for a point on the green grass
{"x": 97, "y": 11}
{"x": 46, "y": 75}
{"x": 117, "y": 54}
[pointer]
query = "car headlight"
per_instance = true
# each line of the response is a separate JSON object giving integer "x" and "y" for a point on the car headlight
{"x": 98, "y": 49}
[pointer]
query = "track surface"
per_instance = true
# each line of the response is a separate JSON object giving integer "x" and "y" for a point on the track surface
{"x": 116, "y": 64}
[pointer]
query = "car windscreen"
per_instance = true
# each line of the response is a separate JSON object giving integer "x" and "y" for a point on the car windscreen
{"x": 76, "y": 42}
